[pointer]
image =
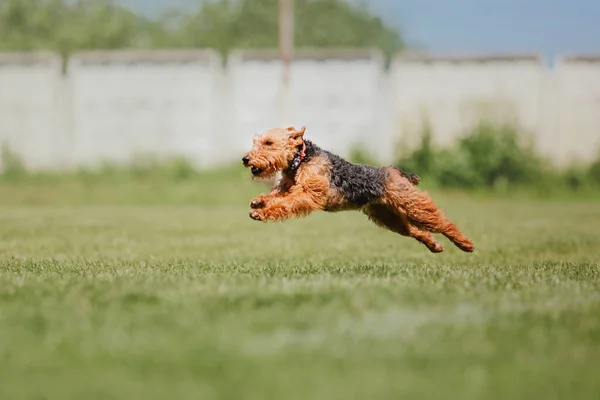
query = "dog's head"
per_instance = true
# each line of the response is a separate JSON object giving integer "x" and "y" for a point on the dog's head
{"x": 273, "y": 150}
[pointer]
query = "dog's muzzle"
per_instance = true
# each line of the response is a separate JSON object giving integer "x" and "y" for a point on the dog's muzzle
{"x": 254, "y": 170}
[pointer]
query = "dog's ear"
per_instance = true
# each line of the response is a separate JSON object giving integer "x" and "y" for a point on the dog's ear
{"x": 296, "y": 133}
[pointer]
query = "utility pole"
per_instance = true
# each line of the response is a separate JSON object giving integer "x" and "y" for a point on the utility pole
{"x": 286, "y": 54}
{"x": 286, "y": 36}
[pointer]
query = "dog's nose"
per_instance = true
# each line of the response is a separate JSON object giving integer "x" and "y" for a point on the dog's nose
{"x": 246, "y": 160}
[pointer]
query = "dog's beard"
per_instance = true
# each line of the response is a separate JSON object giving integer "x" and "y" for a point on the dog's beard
{"x": 270, "y": 180}
{"x": 262, "y": 174}
{"x": 265, "y": 170}
{"x": 265, "y": 175}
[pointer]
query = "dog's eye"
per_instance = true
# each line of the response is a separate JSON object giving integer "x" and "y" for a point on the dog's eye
{"x": 268, "y": 143}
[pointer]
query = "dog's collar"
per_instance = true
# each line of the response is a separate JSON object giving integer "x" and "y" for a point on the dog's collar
{"x": 299, "y": 157}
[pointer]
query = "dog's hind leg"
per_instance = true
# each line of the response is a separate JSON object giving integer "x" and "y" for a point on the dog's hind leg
{"x": 426, "y": 215}
{"x": 421, "y": 211}
{"x": 385, "y": 217}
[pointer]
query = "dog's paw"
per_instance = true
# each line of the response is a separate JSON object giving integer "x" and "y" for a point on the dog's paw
{"x": 257, "y": 203}
{"x": 257, "y": 216}
{"x": 437, "y": 248}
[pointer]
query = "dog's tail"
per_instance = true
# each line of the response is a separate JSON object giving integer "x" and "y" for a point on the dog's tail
{"x": 412, "y": 178}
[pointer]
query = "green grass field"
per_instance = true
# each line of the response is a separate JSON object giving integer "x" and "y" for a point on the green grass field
{"x": 193, "y": 300}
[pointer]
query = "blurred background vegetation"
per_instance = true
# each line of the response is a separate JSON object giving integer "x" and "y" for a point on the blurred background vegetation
{"x": 67, "y": 26}
{"x": 488, "y": 158}
{"x": 487, "y": 161}
{"x": 497, "y": 158}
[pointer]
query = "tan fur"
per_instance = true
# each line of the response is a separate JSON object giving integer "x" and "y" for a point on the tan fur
{"x": 402, "y": 209}
{"x": 421, "y": 213}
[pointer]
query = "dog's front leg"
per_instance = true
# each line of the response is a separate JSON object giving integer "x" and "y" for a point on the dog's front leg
{"x": 262, "y": 200}
{"x": 283, "y": 207}
{"x": 295, "y": 201}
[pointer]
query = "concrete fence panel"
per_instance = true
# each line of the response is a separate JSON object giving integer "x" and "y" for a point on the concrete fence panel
{"x": 337, "y": 94}
{"x": 577, "y": 114}
{"x": 31, "y": 108}
{"x": 159, "y": 103}
{"x": 113, "y": 106}
{"x": 453, "y": 94}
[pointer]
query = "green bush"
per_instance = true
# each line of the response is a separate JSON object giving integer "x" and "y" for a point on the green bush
{"x": 422, "y": 158}
{"x": 496, "y": 158}
{"x": 594, "y": 171}
{"x": 12, "y": 167}
{"x": 455, "y": 169}
{"x": 496, "y": 155}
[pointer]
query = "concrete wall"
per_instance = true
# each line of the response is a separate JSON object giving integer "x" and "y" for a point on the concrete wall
{"x": 151, "y": 103}
{"x": 31, "y": 108}
{"x": 335, "y": 93}
{"x": 454, "y": 94}
{"x": 559, "y": 108}
{"x": 112, "y": 106}
{"x": 577, "y": 116}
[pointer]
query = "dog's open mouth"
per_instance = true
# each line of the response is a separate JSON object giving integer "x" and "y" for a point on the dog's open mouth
{"x": 256, "y": 171}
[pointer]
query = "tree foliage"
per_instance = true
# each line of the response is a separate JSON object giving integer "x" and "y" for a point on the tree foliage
{"x": 66, "y": 27}
{"x": 69, "y": 25}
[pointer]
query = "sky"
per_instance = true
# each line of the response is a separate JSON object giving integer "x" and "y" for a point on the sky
{"x": 546, "y": 27}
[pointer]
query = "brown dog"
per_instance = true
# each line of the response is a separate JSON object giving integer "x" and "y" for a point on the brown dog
{"x": 315, "y": 179}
